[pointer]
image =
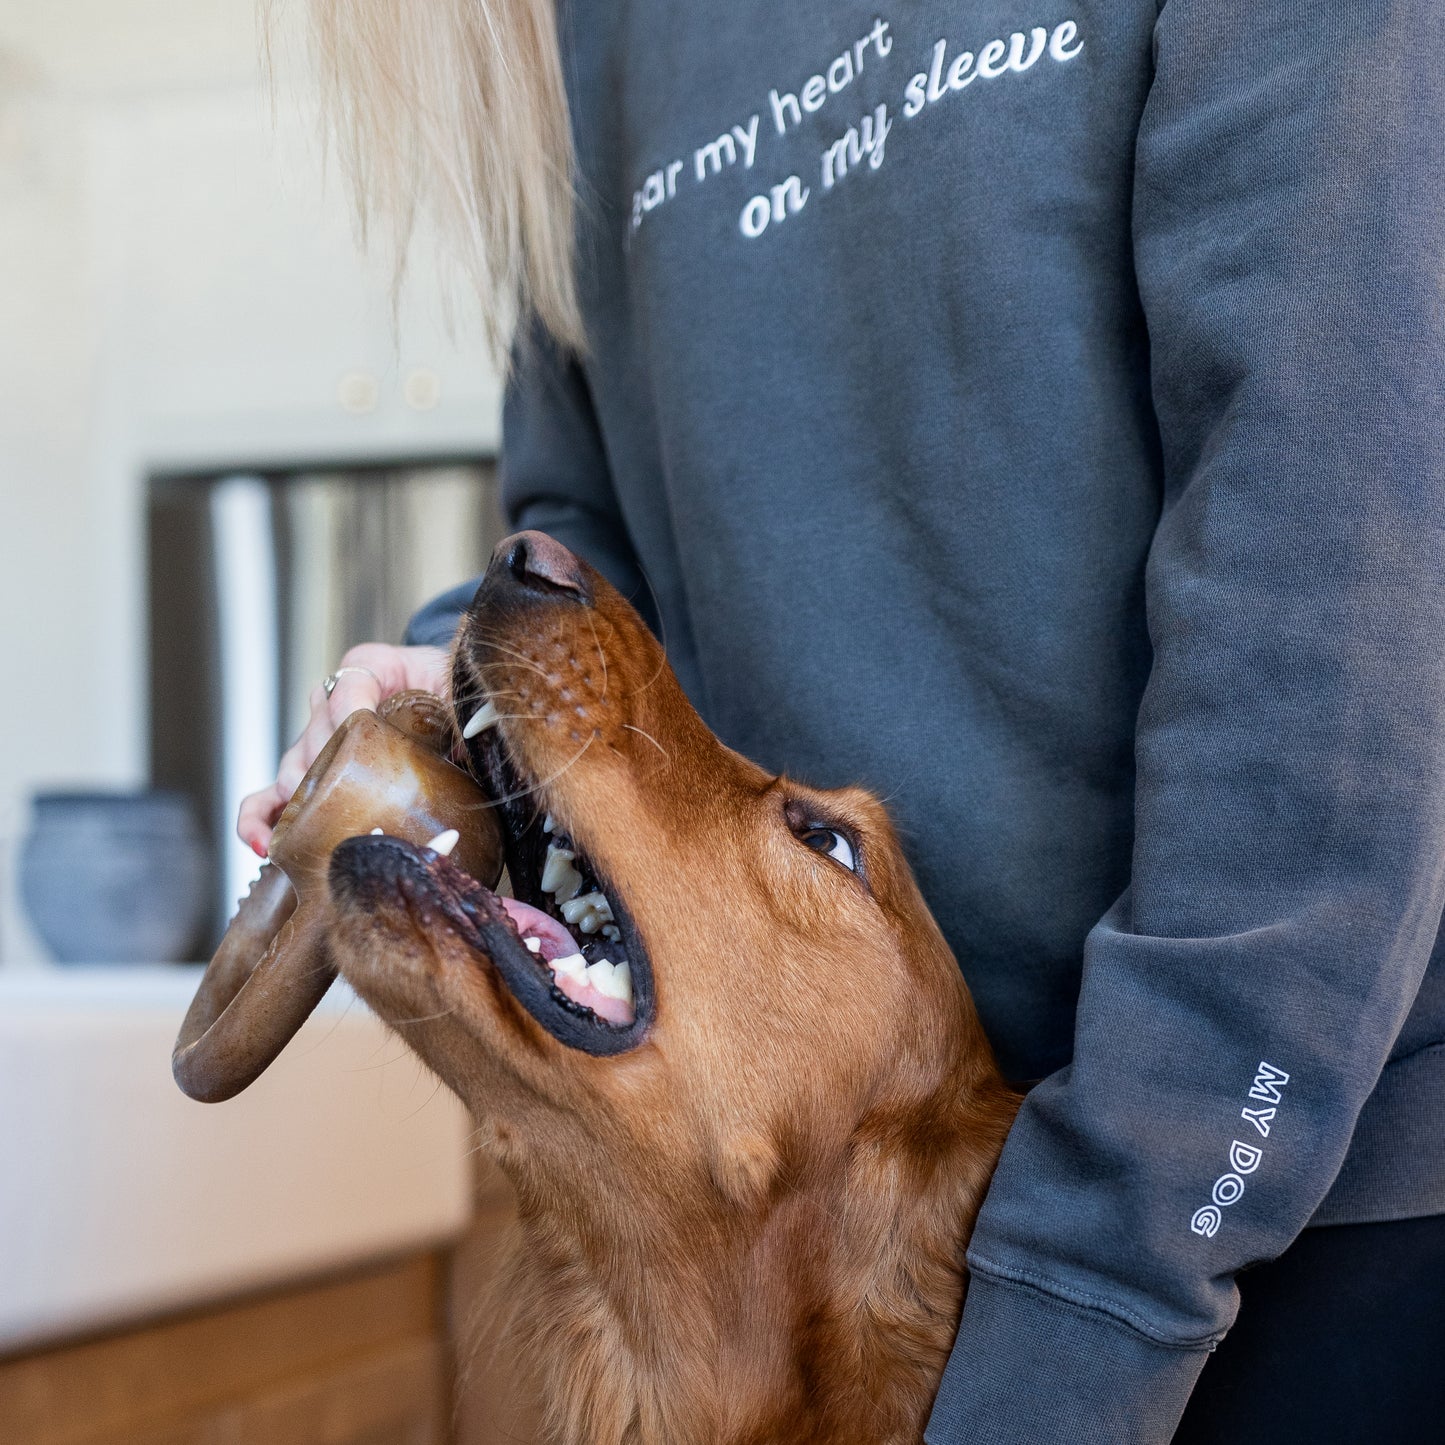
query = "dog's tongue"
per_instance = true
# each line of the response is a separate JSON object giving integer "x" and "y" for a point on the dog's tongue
{"x": 557, "y": 944}
{"x": 533, "y": 923}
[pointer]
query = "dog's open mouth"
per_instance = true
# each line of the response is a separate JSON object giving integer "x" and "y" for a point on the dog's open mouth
{"x": 575, "y": 929}
{"x": 564, "y": 943}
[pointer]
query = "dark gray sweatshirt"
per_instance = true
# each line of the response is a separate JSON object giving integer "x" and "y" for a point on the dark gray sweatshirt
{"x": 1033, "y": 409}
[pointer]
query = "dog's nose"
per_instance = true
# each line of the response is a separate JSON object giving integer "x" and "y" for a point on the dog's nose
{"x": 543, "y": 564}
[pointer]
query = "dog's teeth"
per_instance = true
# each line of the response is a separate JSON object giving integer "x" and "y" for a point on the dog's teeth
{"x": 569, "y": 887}
{"x": 549, "y": 824}
{"x": 559, "y": 877}
{"x": 587, "y": 906}
{"x": 377, "y": 832}
{"x": 588, "y": 913}
{"x": 596, "y": 902}
{"x": 534, "y": 945}
{"x": 613, "y": 932}
{"x": 572, "y": 966}
{"x": 444, "y": 842}
{"x": 485, "y": 716}
{"x": 611, "y": 980}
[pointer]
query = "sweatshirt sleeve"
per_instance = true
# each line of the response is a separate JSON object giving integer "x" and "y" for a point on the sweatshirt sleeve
{"x": 1240, "y": 1000}
{"x": 555, "y": 478}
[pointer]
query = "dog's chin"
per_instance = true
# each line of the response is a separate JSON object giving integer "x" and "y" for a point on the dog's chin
{"x": 390, "y": 895}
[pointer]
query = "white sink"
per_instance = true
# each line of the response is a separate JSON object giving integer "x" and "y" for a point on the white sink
{"x": 121, "y": 1198}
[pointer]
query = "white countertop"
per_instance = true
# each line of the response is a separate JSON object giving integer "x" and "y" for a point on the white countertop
{"x": 121, "y": 1198}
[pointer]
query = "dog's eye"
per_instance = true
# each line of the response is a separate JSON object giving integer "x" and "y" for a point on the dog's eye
{"x": 833, "y": 843}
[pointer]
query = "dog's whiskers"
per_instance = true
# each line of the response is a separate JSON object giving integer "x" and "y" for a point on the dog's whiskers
{"x": 421, "y": 1018}
{"x": 540, "y": 783}
{"x": 522, "y": 716}
{"x": 517, "y": 659}
{"x": 660, "y": 669}
{"x": 381, "y": 1064}
{"x": 601, "y": 656}
{"x": 426, "y": 1103}
{"x": 642, "y": 732}
{"x": 657, "y": 609}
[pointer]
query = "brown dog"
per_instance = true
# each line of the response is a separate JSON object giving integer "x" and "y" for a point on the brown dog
{"x": 748, "y": 1162}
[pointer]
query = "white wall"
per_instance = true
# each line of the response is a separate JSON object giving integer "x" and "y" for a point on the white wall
{"x": 177, "y": 288}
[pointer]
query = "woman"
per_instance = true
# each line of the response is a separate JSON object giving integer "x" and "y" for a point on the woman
{"x": 1034, "y": 412}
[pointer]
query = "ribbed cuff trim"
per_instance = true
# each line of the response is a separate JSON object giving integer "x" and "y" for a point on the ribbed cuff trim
{"x": 1031, "y": 1369}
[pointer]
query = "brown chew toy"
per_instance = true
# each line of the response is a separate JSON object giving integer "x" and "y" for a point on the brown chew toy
{"x": 382, "y": 770}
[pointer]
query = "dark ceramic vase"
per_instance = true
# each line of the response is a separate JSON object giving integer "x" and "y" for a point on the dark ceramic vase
{"x": 114, "y": 877}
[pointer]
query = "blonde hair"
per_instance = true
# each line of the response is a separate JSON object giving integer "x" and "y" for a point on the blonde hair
{"x": 455, "y": 110}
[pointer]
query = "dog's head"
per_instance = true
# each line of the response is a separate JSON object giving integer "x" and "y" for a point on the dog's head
{"x": 712, "y": 981}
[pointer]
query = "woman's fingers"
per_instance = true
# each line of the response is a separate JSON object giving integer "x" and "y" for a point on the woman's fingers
{"x": 429, "y": 668}
{"x": 354, "y": 691}
{"x": 365, "y": 677}
{"x": 259, "y": 811}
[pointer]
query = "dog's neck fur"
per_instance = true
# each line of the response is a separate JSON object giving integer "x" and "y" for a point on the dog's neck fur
{"x": 695, "y": 1316}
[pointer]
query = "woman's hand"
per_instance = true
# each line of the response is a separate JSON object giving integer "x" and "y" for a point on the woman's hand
{"x": 365, "y": 677}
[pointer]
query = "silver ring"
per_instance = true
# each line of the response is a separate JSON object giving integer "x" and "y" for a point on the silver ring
{"x": 328, "y": 683}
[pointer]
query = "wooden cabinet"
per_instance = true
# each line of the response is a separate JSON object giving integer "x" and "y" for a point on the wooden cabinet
{"x": 363, "y": 1360}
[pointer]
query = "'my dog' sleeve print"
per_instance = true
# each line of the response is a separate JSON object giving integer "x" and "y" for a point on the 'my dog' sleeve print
{"x": 1261, "y": 976}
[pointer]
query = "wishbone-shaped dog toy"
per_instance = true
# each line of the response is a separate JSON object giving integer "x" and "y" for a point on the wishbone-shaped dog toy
{"x": 382, "y": 770}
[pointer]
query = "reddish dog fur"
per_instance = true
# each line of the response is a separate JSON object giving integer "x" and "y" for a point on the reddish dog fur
{"x": 749, "y": 1229}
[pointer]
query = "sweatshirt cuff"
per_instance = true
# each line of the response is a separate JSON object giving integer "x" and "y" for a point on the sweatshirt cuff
{"x": 1030, "y": 1369}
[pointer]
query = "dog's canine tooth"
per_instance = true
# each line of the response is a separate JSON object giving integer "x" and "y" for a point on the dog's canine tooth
{"x": 533, "y": 945}
{"x": 377, "y": 832}
{"x": 559, "y": 877}
{"x": 485, "y": 716}
{"x": 549, "y": 824}
{"x": 444, "y": 842}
